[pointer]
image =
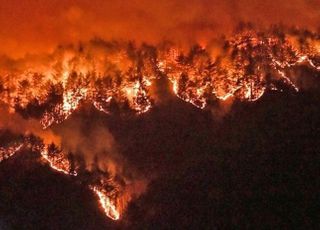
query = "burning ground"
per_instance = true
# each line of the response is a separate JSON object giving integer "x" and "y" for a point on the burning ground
{"x": 223, "y": 134}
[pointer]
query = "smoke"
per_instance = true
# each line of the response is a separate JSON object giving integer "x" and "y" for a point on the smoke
{"x": 36, "y": 36}
{"x": 85, "y": 139}
{"x": 18, "y": 125}
{"x": 82, "y": 136}
{"x": 89, "y": 138}
{"x": 221, "y": 109}
{"x": 93, "y": 141}
{"x": 37, "y": 25}
{"x": 243, "y": 65}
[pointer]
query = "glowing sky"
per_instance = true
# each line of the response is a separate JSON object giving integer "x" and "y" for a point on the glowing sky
{"x": 39, "y": 25}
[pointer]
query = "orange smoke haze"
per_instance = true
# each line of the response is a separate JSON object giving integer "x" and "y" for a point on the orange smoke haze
{"x": 39, "y": 25}
{"x": 19, "y": 125}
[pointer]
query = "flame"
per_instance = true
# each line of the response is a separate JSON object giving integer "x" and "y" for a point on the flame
{"x": 57, "y": 162}
{"x": 116, "y": 74}
{"x": 252, "y": 63}
{"x": 8, "y": 152}
{"x": 106, "y": 203}
{"x": 60, "y": 164}
{"x": 241, "y": 74}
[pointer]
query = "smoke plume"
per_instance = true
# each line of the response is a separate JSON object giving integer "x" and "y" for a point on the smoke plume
{"x": 18, "y": 125}
{"x": 35, "y": 26}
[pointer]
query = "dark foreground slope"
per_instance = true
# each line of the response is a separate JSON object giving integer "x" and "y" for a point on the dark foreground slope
{"x": 32, "y": 196}
{"x": 256, "y": 167}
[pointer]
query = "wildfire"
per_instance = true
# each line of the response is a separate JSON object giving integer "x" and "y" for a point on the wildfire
{"x": 101, "y": 73}
{"x": 250, "y": 64}
{"x": 107, "y": 205}
{"x": 57, "y": 161}
{"x": 6, "y": 153}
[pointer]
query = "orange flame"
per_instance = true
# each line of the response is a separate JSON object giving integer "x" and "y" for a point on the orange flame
{"x": 6, "y": 153}
{"x": 106, "y": 203}
{"x": 58, "y": 162}
{"x": 241, "y": 71}
{"x": 114, "y": 73}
